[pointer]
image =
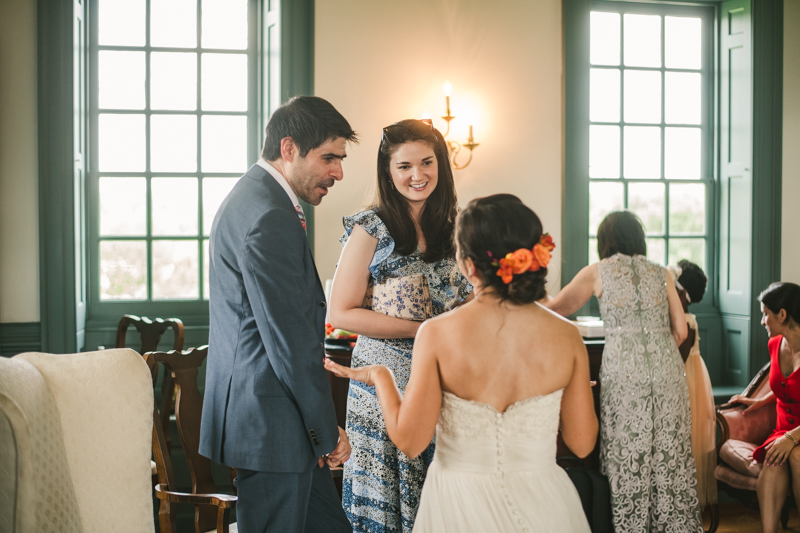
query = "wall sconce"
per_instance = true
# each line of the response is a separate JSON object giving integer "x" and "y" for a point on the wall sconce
{"x": 454, "y": 146}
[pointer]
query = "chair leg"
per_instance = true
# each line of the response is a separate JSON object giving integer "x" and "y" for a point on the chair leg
{"x": 713, "y": 510}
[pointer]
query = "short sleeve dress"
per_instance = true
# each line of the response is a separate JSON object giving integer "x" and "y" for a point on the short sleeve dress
{"x": 381, "y": 486}
{"x": 787, "y": 395}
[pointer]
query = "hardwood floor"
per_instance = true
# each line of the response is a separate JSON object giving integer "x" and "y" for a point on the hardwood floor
{"x": 736, "y": 518}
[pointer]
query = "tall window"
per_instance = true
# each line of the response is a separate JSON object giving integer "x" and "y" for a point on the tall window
{"x": 173, "y": 125}
{"x": 651, "y": 126}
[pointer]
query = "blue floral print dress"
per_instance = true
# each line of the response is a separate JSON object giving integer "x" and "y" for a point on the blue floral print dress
{"x": 382, "y": 486}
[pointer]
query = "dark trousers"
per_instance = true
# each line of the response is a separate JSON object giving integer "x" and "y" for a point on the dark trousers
{"x": 271, "y": 502}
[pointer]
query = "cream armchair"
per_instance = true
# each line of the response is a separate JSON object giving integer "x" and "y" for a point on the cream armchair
{"x": 75, "y": 443}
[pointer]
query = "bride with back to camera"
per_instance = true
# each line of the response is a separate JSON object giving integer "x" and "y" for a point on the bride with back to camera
{"x": 494, "y": 379}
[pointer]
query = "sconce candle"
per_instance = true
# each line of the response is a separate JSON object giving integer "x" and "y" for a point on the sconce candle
{"x": 455, "y": 146}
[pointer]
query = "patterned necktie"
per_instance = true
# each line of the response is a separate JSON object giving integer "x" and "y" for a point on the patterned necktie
{"x": 301, "y": 216}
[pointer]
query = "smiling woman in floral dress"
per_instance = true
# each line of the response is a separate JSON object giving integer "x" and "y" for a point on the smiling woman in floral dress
{"x": 408, "y": 231}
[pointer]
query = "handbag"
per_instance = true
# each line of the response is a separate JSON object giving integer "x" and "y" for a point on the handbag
{"x": 408, "y": 297}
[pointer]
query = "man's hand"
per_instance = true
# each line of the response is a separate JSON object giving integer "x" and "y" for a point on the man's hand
{"x": 340, "y": 454}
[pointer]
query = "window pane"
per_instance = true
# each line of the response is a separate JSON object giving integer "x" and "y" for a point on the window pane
{"x": 642, "y": 96}
{"x": 175, "y": 270}
{"x": 173, "y": 143}
{"x": 123, "y": 270}
{"x": 683, "y": 42}
{"x": 604, "y": 152}
{"x": 224, "y": 82}
{"x": 656, "y": 251}
{"x": 603, "y": 199}
{"x": 604, "y": 95}
{"x": 121, "y": 77}
{"x": 173, "y": 81}
{"x": 604, "y": 44}
{"x": 647, "y": 201}
{"x": 224, "y": 144}
{"x": 122, "y": 143}
{"x": 214, "y": 191}
{"x": 692, "y": 249}
{"x": 687, "y": 207}
{"x": 642, "y": 41}
{"x": 682, "y": 150}
{"x": 121, "y": 22}
{"x": 174, "y": 203}
{"x": 225, "y": 24}
{"x": 682, "y": 102}
{"x": 206, "y": 267}
{"x": 123, "y": 206}
{"x": 173, "y": 23}
{"x": 642, "y": 152}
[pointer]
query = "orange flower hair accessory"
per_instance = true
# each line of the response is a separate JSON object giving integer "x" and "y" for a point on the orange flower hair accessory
{"x": 524, "y": 260}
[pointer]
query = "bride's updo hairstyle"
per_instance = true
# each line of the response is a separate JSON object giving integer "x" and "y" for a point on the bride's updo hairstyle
{"x": 491, "y": 227}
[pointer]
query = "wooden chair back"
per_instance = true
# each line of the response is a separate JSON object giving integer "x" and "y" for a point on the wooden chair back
{"x": 184, "y": 368}
{"x": 150, "y": 333}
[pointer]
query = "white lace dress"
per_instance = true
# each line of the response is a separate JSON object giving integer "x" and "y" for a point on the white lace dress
{"x": 645, "y": 433}
{"x": 496, "y": 472}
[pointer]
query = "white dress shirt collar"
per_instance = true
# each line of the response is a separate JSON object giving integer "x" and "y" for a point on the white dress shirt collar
{"x": 276, "y": 174}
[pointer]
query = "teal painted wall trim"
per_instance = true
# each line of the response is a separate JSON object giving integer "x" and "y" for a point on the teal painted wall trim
{"x": 56, "y": 177}
{"x": 297, "y": 65}
{"x": 767, "y": 163}
{"x": 20, "y": 337}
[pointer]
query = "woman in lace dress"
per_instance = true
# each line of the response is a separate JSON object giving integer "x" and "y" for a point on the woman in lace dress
{"x": 498, "y": 374}
{"x": 645, "y": 423}
{"x": 409, "y": 231}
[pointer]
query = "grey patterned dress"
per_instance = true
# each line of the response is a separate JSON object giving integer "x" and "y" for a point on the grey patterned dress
{"x": 645, "y": 438}
{"x": 381, "y": 486}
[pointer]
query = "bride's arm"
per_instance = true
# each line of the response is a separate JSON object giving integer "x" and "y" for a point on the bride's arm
{"x": 347, "y": 294}
{"x": 410, "y": 419}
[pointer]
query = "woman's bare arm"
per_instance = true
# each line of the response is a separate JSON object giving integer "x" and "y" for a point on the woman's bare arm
{"x": 577, "y": 292}
{"x": 411, "y": 418}
{"x": 349, "y": 287}
{"x": 678, "y": 324}
{"x": 578, "y": 418}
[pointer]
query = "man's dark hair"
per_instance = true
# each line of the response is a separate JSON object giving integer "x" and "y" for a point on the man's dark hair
{"x": 693, "y": 279}
{"x": 310, "y": 121}
{"x": 621, "y": 232}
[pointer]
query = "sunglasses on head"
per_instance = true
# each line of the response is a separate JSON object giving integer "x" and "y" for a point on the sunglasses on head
{"x": 426, "y": 121}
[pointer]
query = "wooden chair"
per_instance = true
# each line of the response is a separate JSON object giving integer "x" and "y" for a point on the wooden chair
{"x": 150, "y": 333}
{"x": 736, "y": 474}
{"x": 212, "y": 509}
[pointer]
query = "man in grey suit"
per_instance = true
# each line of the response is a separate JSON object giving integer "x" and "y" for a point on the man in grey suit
{"x": 268, "y": 409}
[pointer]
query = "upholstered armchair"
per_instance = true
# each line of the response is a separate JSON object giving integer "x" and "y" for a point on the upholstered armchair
{"x": 736, "y": 472}
{"x": 75, "y": 431}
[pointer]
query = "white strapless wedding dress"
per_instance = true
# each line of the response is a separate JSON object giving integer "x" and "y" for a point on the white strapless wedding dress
{"x": 496, "y": 472}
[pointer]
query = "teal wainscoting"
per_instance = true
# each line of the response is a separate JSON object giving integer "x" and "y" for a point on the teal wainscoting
{"x": 19, "y": 337}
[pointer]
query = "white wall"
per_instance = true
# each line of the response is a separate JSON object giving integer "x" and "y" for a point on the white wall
{"x": 790, "y": 213}
{"x": 380, "y": 62}
{"x": 19, "y": 206}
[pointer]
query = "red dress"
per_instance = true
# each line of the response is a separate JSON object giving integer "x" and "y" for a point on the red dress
{"x": 787, "y": 394}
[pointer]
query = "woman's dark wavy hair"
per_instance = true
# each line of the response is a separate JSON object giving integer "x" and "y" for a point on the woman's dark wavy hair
{"x": 621, "y": 232}
{"x": 782, "y": 295}
{"x": 438, "y": 216}
{"x": 693, "y": 279}
{"x": 501, "y": 224}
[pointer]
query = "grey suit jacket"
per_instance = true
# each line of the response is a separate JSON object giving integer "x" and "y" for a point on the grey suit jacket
{"x": 267, "y": 404}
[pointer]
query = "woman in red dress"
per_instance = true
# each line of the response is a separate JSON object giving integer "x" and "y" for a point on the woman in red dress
{"x": 780, "y": 305}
